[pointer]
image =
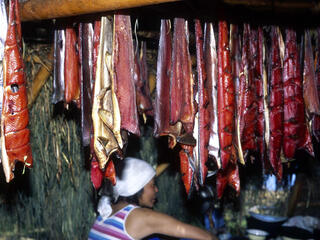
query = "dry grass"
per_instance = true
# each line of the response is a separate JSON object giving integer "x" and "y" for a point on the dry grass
{"x": 53, "y": 200}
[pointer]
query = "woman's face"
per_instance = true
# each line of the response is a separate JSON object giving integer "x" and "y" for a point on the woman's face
{"x": 148, "y": 197}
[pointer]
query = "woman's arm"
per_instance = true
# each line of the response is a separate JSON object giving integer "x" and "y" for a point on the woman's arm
{"x": 143, "y": 222}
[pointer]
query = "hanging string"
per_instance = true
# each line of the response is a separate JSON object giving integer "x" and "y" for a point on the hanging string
{"x": 136, "y": 25}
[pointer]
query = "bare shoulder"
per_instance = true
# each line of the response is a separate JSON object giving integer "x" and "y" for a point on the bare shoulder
{"x": 139, "y": 222}
{"x": 145, "y": 216}
{"x": 140, "y": 211}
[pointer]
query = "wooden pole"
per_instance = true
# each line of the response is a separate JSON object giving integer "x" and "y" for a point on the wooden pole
{"x": 295, "y": 194}
{"x": 277, "y": 4}
{"x": 32, "y": 10}
{"x": 40, "y": 79}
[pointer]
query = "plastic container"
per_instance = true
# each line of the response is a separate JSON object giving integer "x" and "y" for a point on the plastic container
{"x": 256, "y": 234}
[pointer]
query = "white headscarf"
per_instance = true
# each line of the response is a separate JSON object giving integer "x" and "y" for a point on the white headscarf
{"x": 134, "y": 176}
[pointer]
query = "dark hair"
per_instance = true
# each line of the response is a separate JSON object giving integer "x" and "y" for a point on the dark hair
{"x": 133, "y": 199}
{"x": 107, "y": 190}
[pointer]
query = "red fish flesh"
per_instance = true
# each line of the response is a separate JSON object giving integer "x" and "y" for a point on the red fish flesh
{"x": 226, "y": 109}
{"x": 86, "y": 34}
{"x": 14, "y": 132}
{"x": 316, "y": 119}
{"x": 110, "y": 172}
{"x": 261, "y": 93}
{"x": 229, "y": 177}
{"x": 211, "y": 68}
{"x": 71, "y": 68}
{"x": 275, "y": 104}
{"x": 123, "y": 67}
{"x": 203, "y": 106}
{"x": 310, "y": 92}
{"x": 95, "y": 51}
{"x": 144, "y": 102}
{"x": 162, "y": 125}
{"x": 247, "y": 99}
{"x": 148, "y": 105}
{"x": 235, "y": 54}
{"x": 226, "y": 98}
{"x": 96, "y": 174}
{"x": 295, "y": 127}
{"x": 182, "y": 106}
{"x": 187, "y": 167}
{"x": 3, "y": 35}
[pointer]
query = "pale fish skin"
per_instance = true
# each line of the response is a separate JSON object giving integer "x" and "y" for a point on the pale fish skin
{"x": 214, "y": 144}
{"x": 58, "y": 70}
{"x": 265, "y": 102}
{"x": 3, "y": 35}
{"x": 105, "y": 108}
{"x": 196, "y": 164}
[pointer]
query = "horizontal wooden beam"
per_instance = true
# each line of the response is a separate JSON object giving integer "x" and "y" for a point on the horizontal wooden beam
{"x": 32, "y": 10}
{"x": 276, "y": 4}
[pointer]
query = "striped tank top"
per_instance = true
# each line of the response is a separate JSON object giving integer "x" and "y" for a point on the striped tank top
{"x": 113, "y": 227}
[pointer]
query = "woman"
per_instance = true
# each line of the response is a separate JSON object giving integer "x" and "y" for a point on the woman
{"x": 128, "y": 214}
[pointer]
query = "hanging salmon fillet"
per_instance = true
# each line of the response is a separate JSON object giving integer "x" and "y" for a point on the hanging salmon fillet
{"x": 58, "y": 63}
{"x": 182, "y": 103}
{"x": 95, "y": 51}
{"x": 295, "y": 128}
{"x": 257, "y": 48}
{"x": 144, "y": 102}
{"x": 229, "y": 173}
{"x": 162, "y": 125}
{"x": 86, "y": 77}
{"x": 203, "y": 106}
{"x": 229, "y": 177}
{"x": 71, "y": 68}
{"x": 211, "y": 68}
{"x": 123, "y": 69}
{"x": 187, "y": 167}
{"x": 105, "y": 110}
{"x": 14, "y": 132}
{"x": 96, "y": 174}
{"x": 316, "y": 120}
{"x": 182, "y": 106}
{"x": 145, "y": 77}
{"x": 275, "y": 103}
{"x": 3, "y": 35}
{"x": 310, "y": 93}
{"x": 266, "y": 162}
{"x": 235, "y": 55}
{"x": 147, "y": 106}
{"x": 247, "y": 113}
{"x": 176, "y": 80}
{"x": 110, "y": 172}
{"x": 226, "y": 98}
{"x": 259, "y": 79}
{"x": 235, "y": 52}
{"x": 4, "y": 28}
